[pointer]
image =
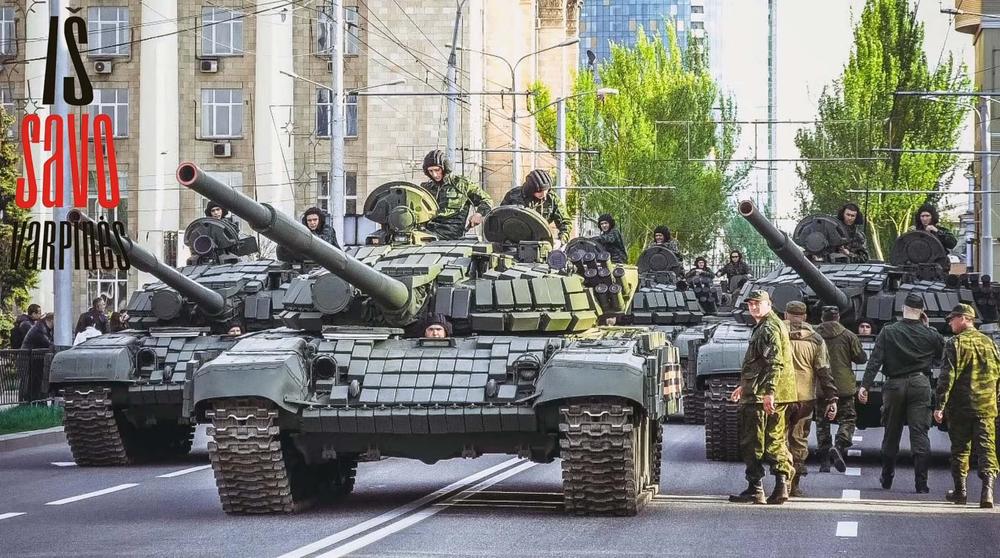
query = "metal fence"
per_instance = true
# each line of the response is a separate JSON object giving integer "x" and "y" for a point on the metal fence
{"x": 24, "y": 375}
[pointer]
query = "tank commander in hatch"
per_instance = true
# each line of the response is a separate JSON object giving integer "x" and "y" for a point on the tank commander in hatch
{"x": 926, "y": 219}
{"x": 856, "y": 247}
{"x": 318, "y": 223}
{"x": 437, "y": 326}
{"x": 536, "y": 193}
{"x": 455, "y": 194}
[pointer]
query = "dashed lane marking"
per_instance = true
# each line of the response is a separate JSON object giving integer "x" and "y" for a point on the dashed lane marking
{"x": 847, "y": 528}
{"x": 856, "y": 439}
{"x": 853, "y": 471}
{"x": 184, "y": 471}
{"x": 64, "y": 463}
{"x": 853, "y": 453}
{"x": 10, "y": 515}
{"x": 849, "y": 494}
{"x": 71, "y": 499}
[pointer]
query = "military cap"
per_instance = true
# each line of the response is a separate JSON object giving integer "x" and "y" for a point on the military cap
{"x": 962, "y": 310}
{"x": 830, "y": 313}
{"x": 914, "y": 301}
{"x": 758, "y": 296}
{"x": 795, "y": 307}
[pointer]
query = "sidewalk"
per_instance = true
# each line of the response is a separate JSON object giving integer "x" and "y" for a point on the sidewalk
{"x": 32, "y": 438}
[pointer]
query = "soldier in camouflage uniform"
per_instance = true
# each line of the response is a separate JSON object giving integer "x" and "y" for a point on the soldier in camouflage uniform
{"x": 811, "y": 365}
{"x": 844, "y": 347}
{"x": 455, "y": 194}
{"x": 767, "y": 386}
{"x": 967, "y": 393}
{"x": 536, "y": 193}
{"x": 904, "y": 351}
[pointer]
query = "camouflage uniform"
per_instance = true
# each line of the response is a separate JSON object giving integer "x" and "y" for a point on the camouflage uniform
{"x": 550, "y": 207}
{"x": 967, "y": 392}
{"x": 811, "y": 365}
{"x": 454, "y": 195}
{"x": 844, "y": 347}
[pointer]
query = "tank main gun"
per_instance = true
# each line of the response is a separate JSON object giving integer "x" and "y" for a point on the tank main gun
{"x": 209, "y": 301}
{"x": 390, "y": 293}
{"x": 790, "y": 254}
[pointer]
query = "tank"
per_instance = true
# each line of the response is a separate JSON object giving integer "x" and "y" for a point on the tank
{"x": 817, "y": 273}
{"x": 527, "y": 370}
{"x": 125, "y": 391}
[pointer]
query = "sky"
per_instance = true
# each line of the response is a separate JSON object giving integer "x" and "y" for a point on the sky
{"x": 814, "y": 41}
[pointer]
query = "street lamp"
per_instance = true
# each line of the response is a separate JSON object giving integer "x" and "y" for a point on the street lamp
{"x": 561, "y": 132}
{"x": 515, "y": 131}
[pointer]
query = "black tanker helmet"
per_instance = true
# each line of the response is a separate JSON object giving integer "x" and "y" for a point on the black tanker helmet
{"x": 536, "y": 181}
{"x": 436, "y": 158}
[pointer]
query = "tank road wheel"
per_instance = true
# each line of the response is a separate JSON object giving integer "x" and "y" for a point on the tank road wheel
{"x": 606, "y": 459}
{"x": 336, "y": 478}
{"x": 93, "y": 429}
{"x": 722, "y": 442}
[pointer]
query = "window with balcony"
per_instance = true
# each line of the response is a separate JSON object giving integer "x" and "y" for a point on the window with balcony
{"x": 221, "y": 113}
{"x": 108, "y": 31}
{"x": 223, "y": 32}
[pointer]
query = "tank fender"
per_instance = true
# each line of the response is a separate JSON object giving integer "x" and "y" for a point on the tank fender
{"x": 109, "y": 358}
{"x": 578, "y": 375}
{"x": 273, "y": 369}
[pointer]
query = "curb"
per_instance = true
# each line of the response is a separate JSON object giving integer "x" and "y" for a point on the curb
{"x": 33, "y": 438}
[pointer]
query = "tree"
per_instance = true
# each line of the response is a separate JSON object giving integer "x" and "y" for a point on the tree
{"x": 14, "y": 282}
{"x": 659, "y": 130}
{"x": 859, "y": 113}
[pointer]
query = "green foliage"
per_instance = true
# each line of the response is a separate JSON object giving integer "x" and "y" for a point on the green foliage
{"x": 740, "y": 235}
{"x": 657, "y": 131}
{"x": 29, "y": 417}
{"x": 859, "y": 113}
{"x": 14, "y": 283}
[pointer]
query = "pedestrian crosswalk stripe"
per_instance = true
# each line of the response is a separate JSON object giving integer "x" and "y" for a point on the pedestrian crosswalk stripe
{"x": 850, "y": 494}
{"x": 853, "y": 471}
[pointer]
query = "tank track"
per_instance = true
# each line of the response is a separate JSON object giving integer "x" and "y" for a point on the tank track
{"x": 93, "y": 431}
{"x": 605, "y": 459}
{"x": 722, "y": 442}
{"x": 656, "y": 455}
{"x": 694, "y": 406}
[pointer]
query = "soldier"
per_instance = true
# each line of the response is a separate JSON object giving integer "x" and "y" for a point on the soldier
{"x": 811, "y": 365}
{"x": 318, "y": 223}
{"x": 926, "y": 219}
{"x": 437, "y": 326}
{"x": 903, "y": 352}
{"x": 536, "y": 193}
{"x": 767, "y": 385}
{"x": 864, "y": 328}
{"x": 967, "y": 391}
{"x": 611, "y": 239}
{"x": 700, "y": 268}
{"x": 844, "y": 347}
{"x": 662, "y": 237}
{"x": 455, "y": 194}
{"x": 857, "y": 245}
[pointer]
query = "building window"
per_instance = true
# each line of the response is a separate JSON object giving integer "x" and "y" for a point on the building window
{"x": 114, "y": 282}
{"x": 108, "y": 31}
{"x": 221, "y": 113}
{"x": 352, "y": 31}
{"x": 9, "y": 109}
{"x": 351, "y": 117}
{"x": 8, "y": 33}
{"x": 350, "y": 192}
{"x": 232, "y": 179}
{"x": 323, "y": 114}
{"x": 223, "y": 33}
{"x": 114, "y": 103}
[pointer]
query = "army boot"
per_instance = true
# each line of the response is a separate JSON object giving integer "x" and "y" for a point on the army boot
{"x": 780, "y": 494}
{"x": 754, "y": 493}
{"x": 986, "y": 498}
{"x": 796, "y": 490}
{"x": 960, "y": 494}
{"x": 920, "y": 474}
{"x": 837, "y": 457}
{"x": 885, "y": 479}
{"x": 824, "y": 461}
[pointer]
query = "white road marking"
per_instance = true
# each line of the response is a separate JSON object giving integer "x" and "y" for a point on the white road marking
{"x": 393, "y": 514}
{"x": 10, "y": 515}
{"x": 64, "y": 463}
{"x": 856, "y": 439}
{"x": 853, "y": 471}
{"x": 853, "y": 453}
{"x": 421, "y": 515}
{"x": 849, "y": 494}
{"x": 184, "y": 472}
{"x": 847, "y": 528}
{"x": 92, "y": 494}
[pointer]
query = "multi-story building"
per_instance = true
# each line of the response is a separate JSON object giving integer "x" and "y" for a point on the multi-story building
{"x": 199, "y": 80}
{"x": 603, "y": 22}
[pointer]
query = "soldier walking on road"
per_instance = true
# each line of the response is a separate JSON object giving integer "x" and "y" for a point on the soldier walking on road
{"x": 967, "y": 393}
{"x": 844, "y": 347}
{"x": 811, "y": 365}
{"x": 903, "y": 352}
{"x": 766, "y": 387}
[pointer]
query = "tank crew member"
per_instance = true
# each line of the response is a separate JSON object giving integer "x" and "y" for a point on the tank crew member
{"x": 967, "y": 393}
{"x": 437, "y": 326}
{"x": 455, "y": 194}
{"x": 865, "y": 328}
{"x": 844, "y": 348}
{"x": 926, "y": 219}
{"x": 610, "y": 239}
{"x": 857, "y": 245}
{"x": 235, "y": 329}
{"x": 318, "y": 222}
{"x": 767, "y": 385}
{"x": 903, "y": 352}
{"x": 736, "y": 266}
{"x": 662, "y": 237}
{"x": 536, "y": 193}
{"x": 811, "y": 364}
{"x": 700, "y": 268}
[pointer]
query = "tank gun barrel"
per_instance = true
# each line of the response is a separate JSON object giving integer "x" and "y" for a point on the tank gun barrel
{"x": 783, "y": 247}
{"x": 285, "y": 231}
{"x": 208, "y": 300}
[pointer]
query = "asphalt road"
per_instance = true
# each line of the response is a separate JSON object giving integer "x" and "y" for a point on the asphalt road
{"x": 492, "y": 506}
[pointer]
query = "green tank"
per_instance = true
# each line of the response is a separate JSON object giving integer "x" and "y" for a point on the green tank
{"x": 527, "y": 371}
{"x": 125, "y": 392}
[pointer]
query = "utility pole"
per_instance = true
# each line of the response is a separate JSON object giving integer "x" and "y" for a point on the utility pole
{"x": 560, "y": 148}
{"x": 986, "y": 174}
{"x": 772, "y": 99}
{"x": 453, "y": 88}
{"x": 336, "y": 120}
{"x": 62, "y": 277}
